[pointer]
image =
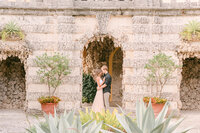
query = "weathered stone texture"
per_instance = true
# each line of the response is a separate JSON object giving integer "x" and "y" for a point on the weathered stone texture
{"x": 33, "y": 105}
{"x": 124, "y": 24}
{"x": 46, "y": 28}
{"x": 72, "y": 62}
{"x": 12, "y": 84}
{"x": 69, "y": 79}
{"x": 142, "y": 80}
{"x": 42, "y": 45}
{"x": 139, "y": 30}
{"x": 65, "y": 105}
{"x": 190, "y": 86}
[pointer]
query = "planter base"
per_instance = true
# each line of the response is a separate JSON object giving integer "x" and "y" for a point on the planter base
{"x": 157, "y": 108}
{"x": 48, "y": 108}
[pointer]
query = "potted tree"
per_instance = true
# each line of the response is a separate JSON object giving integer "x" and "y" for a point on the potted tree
{"x": 160, "y": 70}
{"x": 52, "y": 70}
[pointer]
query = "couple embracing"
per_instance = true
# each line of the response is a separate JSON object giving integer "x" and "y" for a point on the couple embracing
{"x": 103, "y": 79}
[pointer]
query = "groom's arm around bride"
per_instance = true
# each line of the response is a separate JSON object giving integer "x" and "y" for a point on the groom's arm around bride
{"x": 106, "y": 86}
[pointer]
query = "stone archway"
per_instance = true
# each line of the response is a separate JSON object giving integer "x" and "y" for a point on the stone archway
{"x": 102, "y": 51}
{"x": 190, "y": 84}
{"x": 13, "y": 67}
{"x": 12, "y": 84}
{"x": 189, "y": 57}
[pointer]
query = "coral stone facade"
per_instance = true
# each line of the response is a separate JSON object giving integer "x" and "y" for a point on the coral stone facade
{"x": 139, "y": 28}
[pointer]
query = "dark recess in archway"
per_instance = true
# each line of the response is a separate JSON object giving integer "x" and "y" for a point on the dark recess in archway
{"x": 190, "y": 84}
{"x": 12, "y": 84}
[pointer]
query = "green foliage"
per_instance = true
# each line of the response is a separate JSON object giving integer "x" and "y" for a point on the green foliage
{"x": 191, "y": 31}
{"x": 12, "y": 32}
{"x": 84, "y": 100}
{"x": 105, "y": 116}
{"x": 160, "y": 69}
{"x": 52, "y": 70}
{"x": 89, "y": 88}
{"x": 48, "y": 99}
{"x": 66, "y": 123}
{"x": 146, "y": 121}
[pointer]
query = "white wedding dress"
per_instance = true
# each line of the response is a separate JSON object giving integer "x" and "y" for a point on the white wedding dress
{"x": 98, "y": 103}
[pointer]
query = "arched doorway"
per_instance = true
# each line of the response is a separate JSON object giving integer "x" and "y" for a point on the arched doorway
{"x": 12, "y": 84}
{"x": 101, "y": 51}
{"x": 190, "y": 84}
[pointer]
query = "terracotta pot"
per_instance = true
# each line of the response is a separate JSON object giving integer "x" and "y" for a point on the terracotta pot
{"x": 157, "y": 108}
{"x": 48, "y": 108}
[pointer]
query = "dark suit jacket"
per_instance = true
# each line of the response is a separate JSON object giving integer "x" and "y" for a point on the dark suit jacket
{"x": 108, "y": 80}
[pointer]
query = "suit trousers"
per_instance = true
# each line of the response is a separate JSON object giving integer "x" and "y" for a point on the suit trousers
{"x": 106, "y": 100}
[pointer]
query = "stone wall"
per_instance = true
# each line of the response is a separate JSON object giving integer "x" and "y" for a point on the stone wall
{"x": 100, "y": 4}
{"x": 12, "y": 84}
{"x": 117, "y": 91}
{"x": 140, "y": 31}
{"x": 190, "y": 84}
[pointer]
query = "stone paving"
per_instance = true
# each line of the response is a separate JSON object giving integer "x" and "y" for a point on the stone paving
{"x": 15, "y": 121}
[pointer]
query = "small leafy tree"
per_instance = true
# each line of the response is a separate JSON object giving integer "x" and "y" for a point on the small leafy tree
{"x": 52, "y": 70}
{"x": 160, "y": 70}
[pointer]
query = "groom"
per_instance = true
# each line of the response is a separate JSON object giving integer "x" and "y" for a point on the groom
{"x": 106, "y": 86}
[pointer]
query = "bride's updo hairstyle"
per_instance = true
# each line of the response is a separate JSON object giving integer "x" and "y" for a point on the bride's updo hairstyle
{"x": 96, "y": 73}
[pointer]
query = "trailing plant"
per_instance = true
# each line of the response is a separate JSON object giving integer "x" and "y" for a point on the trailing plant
{"x": 160, "y": 70}
{"x": 146, "y": 121}
{"x": 191, "y": 31}
{"x": 154, "y": 100}
{"x": 66, "y": 123}
{"x": 12, "y": 31}
{"x": 51, "y": 99}
{"x": 89, "y": 88}
{"x": 106, "y": 116}
{"x": 52, "y": 71}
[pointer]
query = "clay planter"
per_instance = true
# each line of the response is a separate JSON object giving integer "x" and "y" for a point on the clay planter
{"x": 48, "y": 108}
{"x": 157, "y": 108}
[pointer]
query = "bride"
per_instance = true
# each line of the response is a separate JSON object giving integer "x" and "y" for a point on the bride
{"x": 98, "y": 104}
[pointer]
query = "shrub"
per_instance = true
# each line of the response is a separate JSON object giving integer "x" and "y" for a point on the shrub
{"x": 52, "y": 71}
{"x": 191, "y": 31}
{"x": 105, "y": 116}
{"x": 89, "y": 88}
{"x": 12, "y": 32}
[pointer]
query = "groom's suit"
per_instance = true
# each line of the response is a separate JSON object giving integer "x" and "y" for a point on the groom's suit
{"x": 107, "y": 89}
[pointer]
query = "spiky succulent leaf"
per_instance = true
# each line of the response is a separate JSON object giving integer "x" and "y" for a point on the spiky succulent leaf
{"x": 147, "y": 122}
{"x": 66, "y": 123}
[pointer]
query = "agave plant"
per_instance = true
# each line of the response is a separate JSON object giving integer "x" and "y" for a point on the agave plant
{"x": 106, "y": 116}
{"x": 191, "y": 31}
{"x": 146, "y": 121}
{"x": 12, "y": 32}
{"x": 66, "y": 123}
